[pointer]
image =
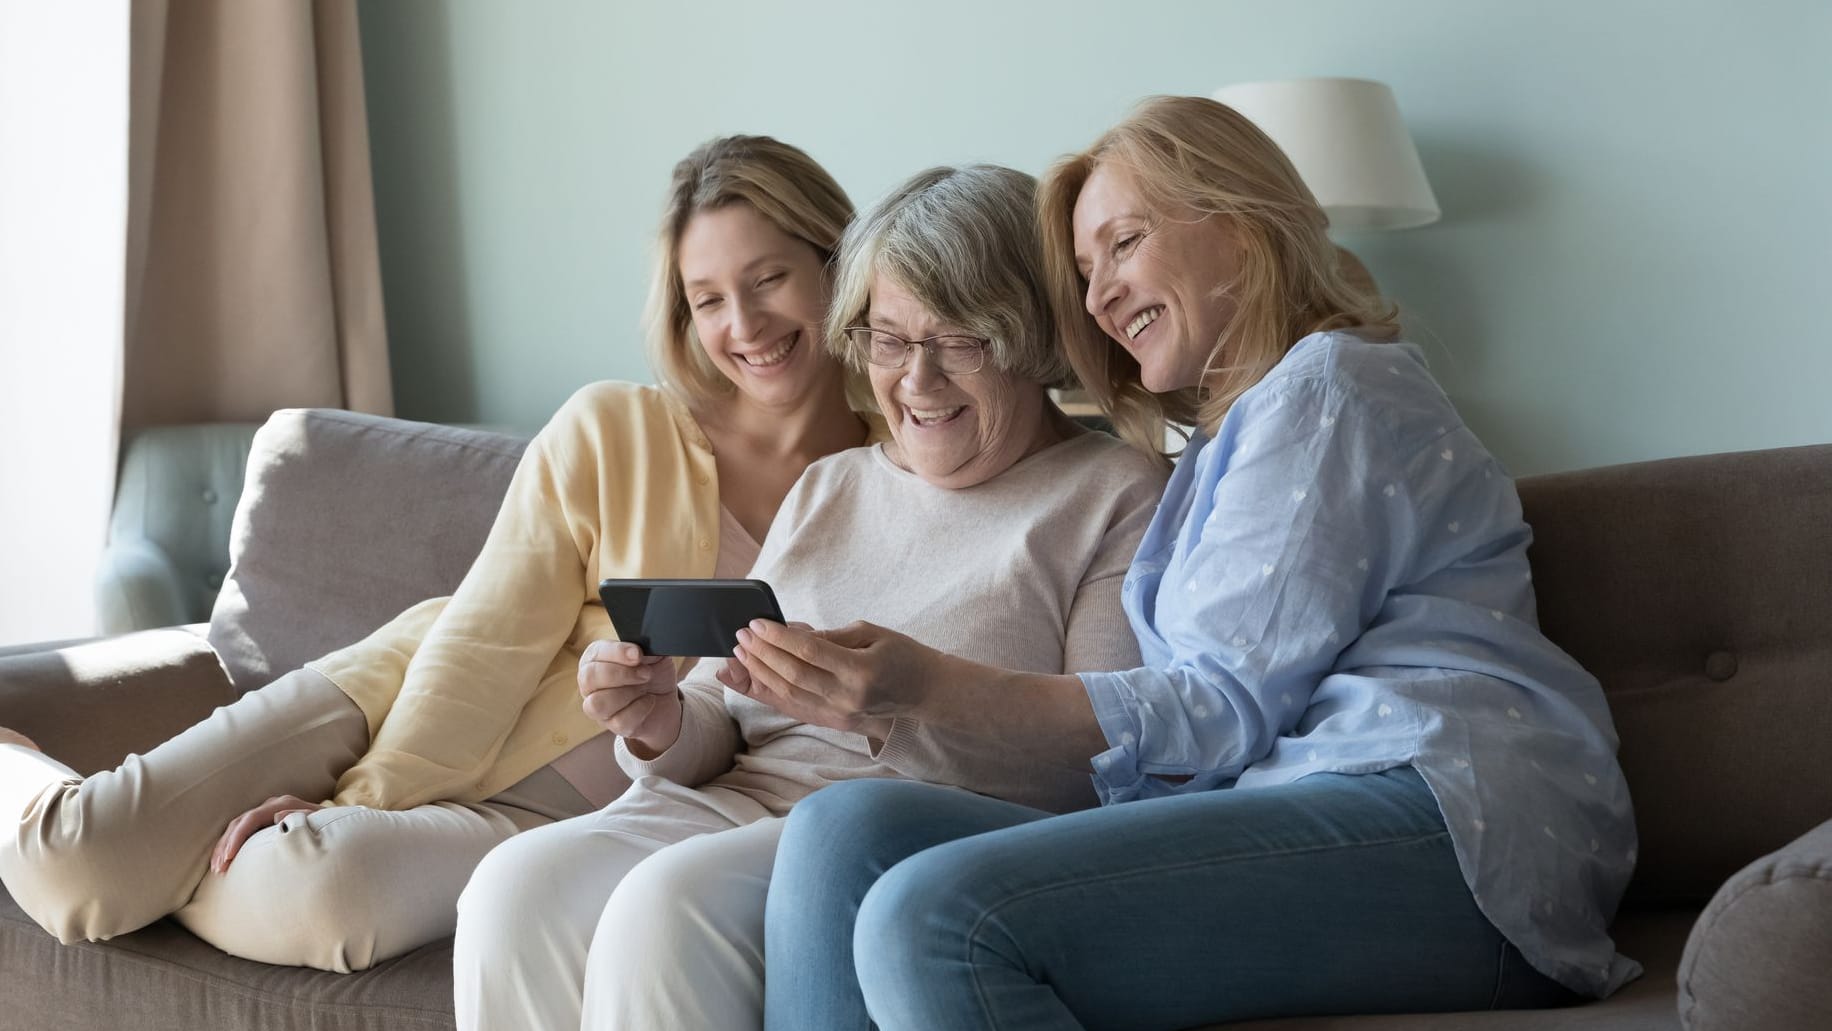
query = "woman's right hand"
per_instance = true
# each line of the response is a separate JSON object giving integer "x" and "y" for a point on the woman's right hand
{"x": 632, "y": 695}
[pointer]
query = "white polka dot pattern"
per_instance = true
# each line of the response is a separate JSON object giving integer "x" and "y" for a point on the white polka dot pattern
{"x": 1336, "y": 506}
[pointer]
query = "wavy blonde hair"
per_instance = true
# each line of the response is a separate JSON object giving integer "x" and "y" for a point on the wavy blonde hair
{"x": 784, "y": 185}
{"x": 1194, "y": 154}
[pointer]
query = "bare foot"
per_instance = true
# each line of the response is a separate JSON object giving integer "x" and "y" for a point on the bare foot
{"x": 13, "y": 737}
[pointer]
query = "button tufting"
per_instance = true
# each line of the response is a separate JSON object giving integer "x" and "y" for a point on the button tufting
{"x": 1720, "y": 666}
{"x": 215, "y": 580}
{"x": 209, "y": 496}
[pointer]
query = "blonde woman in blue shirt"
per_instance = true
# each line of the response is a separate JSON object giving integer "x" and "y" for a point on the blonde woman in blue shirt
{"x": 1351, "y": 775}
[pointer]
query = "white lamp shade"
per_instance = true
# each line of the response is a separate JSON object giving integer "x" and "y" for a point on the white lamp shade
{"x": 1347, "y": 141}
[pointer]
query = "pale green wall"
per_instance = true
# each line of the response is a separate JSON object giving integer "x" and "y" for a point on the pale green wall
{"x": 1636, "y": 214}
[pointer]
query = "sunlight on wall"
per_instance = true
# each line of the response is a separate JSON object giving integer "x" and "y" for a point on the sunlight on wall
{"x": 63, "y": 206}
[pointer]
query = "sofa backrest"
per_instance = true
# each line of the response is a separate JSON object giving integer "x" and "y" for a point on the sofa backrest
{"x": 345, "y": 521}
{"x": 1699, "y": 591}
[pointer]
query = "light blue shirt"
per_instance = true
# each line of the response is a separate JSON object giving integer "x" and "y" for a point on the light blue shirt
{"x": 1338, "y": 582}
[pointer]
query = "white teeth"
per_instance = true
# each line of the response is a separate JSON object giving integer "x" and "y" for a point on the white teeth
{"x": 927, "y": 417}
{"x": 774, "y": 356}
{"x": 1146, "y": 318}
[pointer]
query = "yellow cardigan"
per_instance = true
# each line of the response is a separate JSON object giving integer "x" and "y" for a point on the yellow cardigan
{"x": 469, "y": 694}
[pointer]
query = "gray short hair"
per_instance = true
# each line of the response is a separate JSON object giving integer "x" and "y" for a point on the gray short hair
{"x": 963, "y": 242}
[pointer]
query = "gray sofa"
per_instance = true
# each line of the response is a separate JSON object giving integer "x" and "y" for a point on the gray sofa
{"x": 1699, "y": 590}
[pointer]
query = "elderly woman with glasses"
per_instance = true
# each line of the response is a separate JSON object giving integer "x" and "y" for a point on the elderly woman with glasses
{"x": 989, "y": 523}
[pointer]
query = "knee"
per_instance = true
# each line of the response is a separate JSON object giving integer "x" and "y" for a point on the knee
{"x": 684, "y": 907}
{"x": 661, "y": 906}
{"x": 887, "y": 958}
{"x": 79, "y": 879}
{"x": 511, "y": 883}
{"x": 853, "y": 804}
{"x": 852, "y": 825}
{"x": 680, "y": 944}
{"x": 841, "y": 839}
{"x": 285, "y": 900}
{"x": 518, "y": 890}
{"x": 923, "y": 907}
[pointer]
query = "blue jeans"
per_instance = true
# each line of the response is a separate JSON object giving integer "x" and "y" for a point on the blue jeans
{"x": 929, "y": 907}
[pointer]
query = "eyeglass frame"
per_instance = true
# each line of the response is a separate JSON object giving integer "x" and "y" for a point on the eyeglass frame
{"x": 928, "y": 344}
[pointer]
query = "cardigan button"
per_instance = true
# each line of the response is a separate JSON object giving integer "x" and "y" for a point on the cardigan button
{"x": 1720, "y": 666}
{"x": 702, "y": 479}
{"x": 559, "y": 739}
{"x": 705, "y": 545}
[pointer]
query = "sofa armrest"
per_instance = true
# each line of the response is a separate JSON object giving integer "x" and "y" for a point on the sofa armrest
{"x": 1757, "y": 958}
{"x": 90, "y": 704}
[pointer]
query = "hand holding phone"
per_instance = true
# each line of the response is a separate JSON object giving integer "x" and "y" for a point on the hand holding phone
{"x": 631, "y": 694}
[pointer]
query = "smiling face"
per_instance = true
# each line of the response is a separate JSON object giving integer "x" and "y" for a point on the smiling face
{"x": 757, "y": 296}
{"x": 1157, "y": 282}
{"x": 952, "y": 430}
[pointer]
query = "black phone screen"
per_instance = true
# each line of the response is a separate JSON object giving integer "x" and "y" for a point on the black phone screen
{"x": 695, "y": 618}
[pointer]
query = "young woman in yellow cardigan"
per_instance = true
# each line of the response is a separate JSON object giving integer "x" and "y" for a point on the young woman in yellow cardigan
{"x": 459, "y": 723}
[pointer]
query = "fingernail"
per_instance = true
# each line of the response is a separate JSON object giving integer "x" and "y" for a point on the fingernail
{"x": 744, "y": 636}
{"x": 757, "y": 625}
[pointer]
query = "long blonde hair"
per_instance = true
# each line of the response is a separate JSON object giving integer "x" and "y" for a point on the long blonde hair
{"x": 784, "y": 185}
{"x": 1191, "y": 153}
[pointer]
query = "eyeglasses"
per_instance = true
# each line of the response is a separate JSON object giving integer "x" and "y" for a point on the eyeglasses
{"x": 955, "y": 355}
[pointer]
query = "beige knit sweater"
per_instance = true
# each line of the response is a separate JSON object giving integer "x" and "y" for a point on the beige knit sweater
{"x": 1023, "y": 572}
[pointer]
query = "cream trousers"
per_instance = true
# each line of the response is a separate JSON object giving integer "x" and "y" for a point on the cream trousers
{"x": 646, "y": 915}
{"x": 340, "y": 889}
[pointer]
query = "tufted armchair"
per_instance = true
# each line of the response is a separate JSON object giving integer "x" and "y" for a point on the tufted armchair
{"x": 168, "y": 540}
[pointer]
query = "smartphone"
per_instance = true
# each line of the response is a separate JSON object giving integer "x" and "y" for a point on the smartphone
{"x": 694, "y": 618}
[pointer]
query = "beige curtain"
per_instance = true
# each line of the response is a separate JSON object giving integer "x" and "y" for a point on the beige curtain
{"x": 253, "y": 281}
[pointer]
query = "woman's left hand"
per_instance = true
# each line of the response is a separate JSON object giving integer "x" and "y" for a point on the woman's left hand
{"x": 855, "y": 678}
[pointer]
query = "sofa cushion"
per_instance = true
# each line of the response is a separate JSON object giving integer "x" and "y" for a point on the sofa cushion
{"x": 345, "y": 520}
{"x": 1699, "y": 591}
{"x": 161, "y": 978}
{"x": 1645, "y": 1004}
{"x": 1760, "y": 956}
